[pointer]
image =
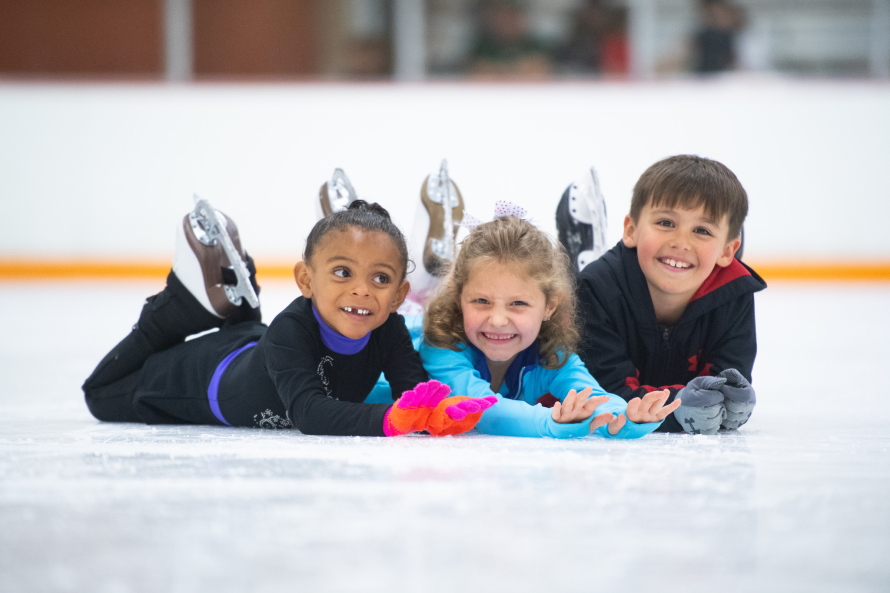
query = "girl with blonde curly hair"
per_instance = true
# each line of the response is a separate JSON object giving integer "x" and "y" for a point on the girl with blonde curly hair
{"x": 503, "y": 324}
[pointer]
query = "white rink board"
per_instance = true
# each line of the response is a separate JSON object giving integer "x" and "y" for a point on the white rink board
{"x": 104, "y": 171}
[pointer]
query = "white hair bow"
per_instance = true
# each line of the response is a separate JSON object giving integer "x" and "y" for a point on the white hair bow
{"x": 501, "y": 208}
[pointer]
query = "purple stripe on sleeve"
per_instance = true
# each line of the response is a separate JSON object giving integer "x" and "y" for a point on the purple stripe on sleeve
{"x": 213, "y": 389}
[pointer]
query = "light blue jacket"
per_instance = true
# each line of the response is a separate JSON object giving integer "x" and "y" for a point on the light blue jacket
{"x": 518, "y": 414}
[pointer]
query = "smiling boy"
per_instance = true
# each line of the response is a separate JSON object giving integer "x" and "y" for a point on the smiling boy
{"x": 670, "y": 306}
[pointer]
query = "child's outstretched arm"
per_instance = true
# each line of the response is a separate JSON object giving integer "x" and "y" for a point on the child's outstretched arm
{"x": 423, "y": 405}
{"x": 509, "y": 417}
{"x": 516, "y": 417}
{"x": 628, "y": 421}
{"x": 649, "y": 409}
{"x": 293, "y": 370}
{"x": 579, "y": 406}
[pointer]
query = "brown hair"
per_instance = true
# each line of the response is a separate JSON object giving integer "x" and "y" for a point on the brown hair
{"x": 690, "y": 181}
{"x": 509, "y": 240}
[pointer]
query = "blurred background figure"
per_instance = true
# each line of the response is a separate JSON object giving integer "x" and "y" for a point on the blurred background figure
{"x": 615, "y": 57}
{"x": 714, "y": 46}
{"x": 597, "y": 43}
{"x": 506, "y": 46}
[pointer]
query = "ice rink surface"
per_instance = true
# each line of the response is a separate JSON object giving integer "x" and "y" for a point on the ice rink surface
{"x": 797, "y": 500}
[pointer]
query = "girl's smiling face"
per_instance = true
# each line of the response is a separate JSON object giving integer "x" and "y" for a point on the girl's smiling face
{"x": 503, "y": 310}
{"x": 355, "y": 280}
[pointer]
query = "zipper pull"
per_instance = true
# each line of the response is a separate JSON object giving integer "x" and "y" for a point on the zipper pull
{"x": 665, "y": 337}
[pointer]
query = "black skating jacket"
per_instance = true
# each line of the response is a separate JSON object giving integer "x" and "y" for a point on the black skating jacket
{"x": 323, "y": 390}
{"x": 630, "y": 353}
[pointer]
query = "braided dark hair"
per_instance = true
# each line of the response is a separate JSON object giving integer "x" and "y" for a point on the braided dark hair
{"x": 364, "y": 216}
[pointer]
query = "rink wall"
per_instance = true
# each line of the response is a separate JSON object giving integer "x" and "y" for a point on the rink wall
{"x": 95, "y": 176}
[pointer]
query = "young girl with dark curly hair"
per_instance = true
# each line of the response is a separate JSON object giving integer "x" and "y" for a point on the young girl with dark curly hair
{"x": 312, "y": 368}
{"x": 503, "y": 325}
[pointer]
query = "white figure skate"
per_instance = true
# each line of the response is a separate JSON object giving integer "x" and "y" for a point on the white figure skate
{"x": 210, "y": 261}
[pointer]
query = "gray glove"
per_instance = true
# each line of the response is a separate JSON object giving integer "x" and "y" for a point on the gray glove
{"x": 702, "y": 409}
{"x": 740, "y": 398}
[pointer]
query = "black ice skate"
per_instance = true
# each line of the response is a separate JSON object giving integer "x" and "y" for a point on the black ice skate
{"x": 581, "y": 220}
{"x": 210, "y": 262}
{"x": 335, "y": 195}
{"x": 441, "y": 215}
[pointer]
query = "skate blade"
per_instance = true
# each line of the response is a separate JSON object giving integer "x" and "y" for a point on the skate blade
{"x": 336, "y": 194}
{"x": 212, "y": 228}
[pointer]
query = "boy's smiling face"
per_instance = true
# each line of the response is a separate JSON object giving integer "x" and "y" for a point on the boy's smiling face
{"x": 354, "y": 280}
{"x": 677, "y": 249}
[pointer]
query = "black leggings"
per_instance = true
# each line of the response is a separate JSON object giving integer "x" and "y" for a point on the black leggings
{"x": 153, "y": 375}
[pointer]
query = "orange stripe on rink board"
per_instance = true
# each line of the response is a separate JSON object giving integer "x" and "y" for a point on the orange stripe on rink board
{"x": 28, "y": 269}
{"x": 838, "y": 271}
{"x": 276, "y": 270}
{"x": 76, "y": 269}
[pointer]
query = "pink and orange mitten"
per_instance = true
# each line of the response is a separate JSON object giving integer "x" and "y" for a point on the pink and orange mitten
{"x": 428, "y": 407}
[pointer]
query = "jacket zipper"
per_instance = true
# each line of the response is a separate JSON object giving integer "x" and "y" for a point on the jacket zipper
{"x": 665, "y": 339}
{"x": 519, "y": 386}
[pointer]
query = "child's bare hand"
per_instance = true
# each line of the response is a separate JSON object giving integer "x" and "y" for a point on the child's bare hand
{"x": 616, "y": 424}
{"x": 651, "y": 408}
{"x": 578, "y": 406}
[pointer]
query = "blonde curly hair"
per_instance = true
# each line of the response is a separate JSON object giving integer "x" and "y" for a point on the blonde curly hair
{"x": 509, "y": 240}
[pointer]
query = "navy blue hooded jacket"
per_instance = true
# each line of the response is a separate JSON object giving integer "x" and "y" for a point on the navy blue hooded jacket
{"x": 629, "y": 353}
